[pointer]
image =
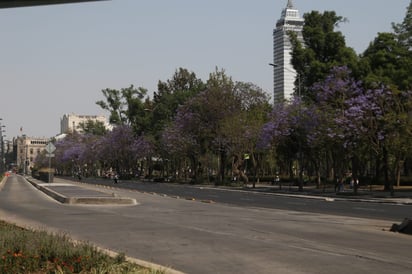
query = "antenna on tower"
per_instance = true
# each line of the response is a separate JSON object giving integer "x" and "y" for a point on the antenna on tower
{"x": 290, "y": 4}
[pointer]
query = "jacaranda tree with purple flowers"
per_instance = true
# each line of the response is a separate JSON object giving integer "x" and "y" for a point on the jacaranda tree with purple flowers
{"x": 197, "y": 122}
{"x": 121, "y": 150}
{"x": 334, "y": 96}
{"x": 347, "y": 130}
{"x": 218, "y": 123}
{"x": 69, "y": 154}
{"x": 241, "y": 130}
{"x": 288, "y": 131}
{"x": 372, "y": 126}
{"x": 390, "y": 133}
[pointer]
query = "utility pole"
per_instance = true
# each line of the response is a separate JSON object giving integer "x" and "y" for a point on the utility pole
{"x": 2, "y": 164}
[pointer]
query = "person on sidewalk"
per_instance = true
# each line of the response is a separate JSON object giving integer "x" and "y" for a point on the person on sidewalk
{"x": 115, "y": 178}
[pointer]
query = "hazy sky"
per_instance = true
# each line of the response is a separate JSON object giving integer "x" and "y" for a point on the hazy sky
{"x": 56, "y": 59}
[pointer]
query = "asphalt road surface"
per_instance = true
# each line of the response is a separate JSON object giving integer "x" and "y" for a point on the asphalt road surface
{"x": 250, "y": 198}
{"x": 199, "y": 237}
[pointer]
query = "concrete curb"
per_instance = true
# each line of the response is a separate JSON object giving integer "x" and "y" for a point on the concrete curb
{"x": 82, "y": 200}
{"x": 330, "y": 198}
{"x": 31, "y": 225}
{"x": 2, "y": 182}
{"x": 399, "y": 201}
{"x": 404, "y": 201}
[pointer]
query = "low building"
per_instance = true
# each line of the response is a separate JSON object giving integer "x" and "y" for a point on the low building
{"x": 28, "y": 148}
{"x": 71, "y": 122}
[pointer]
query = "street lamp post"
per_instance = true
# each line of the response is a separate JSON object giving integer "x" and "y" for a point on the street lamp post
{"x": 3, "y": 155}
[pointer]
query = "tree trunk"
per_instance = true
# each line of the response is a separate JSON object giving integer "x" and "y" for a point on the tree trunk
{"x": 255, "y": 167}
{"x": 355, "y": 173}
{"x": 399, "y": 165}
{"x": 222, "y": 165}
{"x": 194, "y": 167}
{"x": 300, "y": 162}
{"x": 388, "y": 182}
{"x": 377, "y": 170}
{"x": 318, "y": 179}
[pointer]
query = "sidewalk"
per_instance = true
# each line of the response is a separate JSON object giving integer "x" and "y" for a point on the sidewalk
{"x": 402, "y": 195}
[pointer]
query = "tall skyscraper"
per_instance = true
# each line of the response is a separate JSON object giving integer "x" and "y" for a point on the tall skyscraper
{"x": 284, "y": 75}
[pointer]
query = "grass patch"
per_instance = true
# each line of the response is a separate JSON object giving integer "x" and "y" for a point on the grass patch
{"x": 34, "y": 252}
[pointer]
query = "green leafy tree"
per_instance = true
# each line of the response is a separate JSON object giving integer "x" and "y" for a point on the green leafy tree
{"x": 241, "y": 128}
{"x": 162, "y": 110}
{"x": 197, "y": 124}
{"x": 388, "y": 62}
{"x": 127, "y": 106}
{"x": 404, "y": 30}
{"x": 323, "y": 48}
{"x": 114, "y": 105}
{"x": 223, "y": 120}
{"x": 170, "y": 95}
{"x": 93, "y": 127}
{"x": 388, "y": 59}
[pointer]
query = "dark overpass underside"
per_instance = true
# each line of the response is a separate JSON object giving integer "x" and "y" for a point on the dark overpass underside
{"x": 25, "y": 3}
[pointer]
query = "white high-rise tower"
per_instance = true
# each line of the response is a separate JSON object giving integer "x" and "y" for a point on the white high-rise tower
{"x": 284, "y": 74}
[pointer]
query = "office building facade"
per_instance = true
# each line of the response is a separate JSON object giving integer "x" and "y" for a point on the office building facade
{"x": 284, "y": 75}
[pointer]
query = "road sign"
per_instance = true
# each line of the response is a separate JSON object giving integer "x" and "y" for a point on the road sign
{"x": 50, "y": 148}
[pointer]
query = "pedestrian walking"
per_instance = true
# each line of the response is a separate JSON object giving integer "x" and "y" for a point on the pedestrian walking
{"x": 115, "y": 178}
